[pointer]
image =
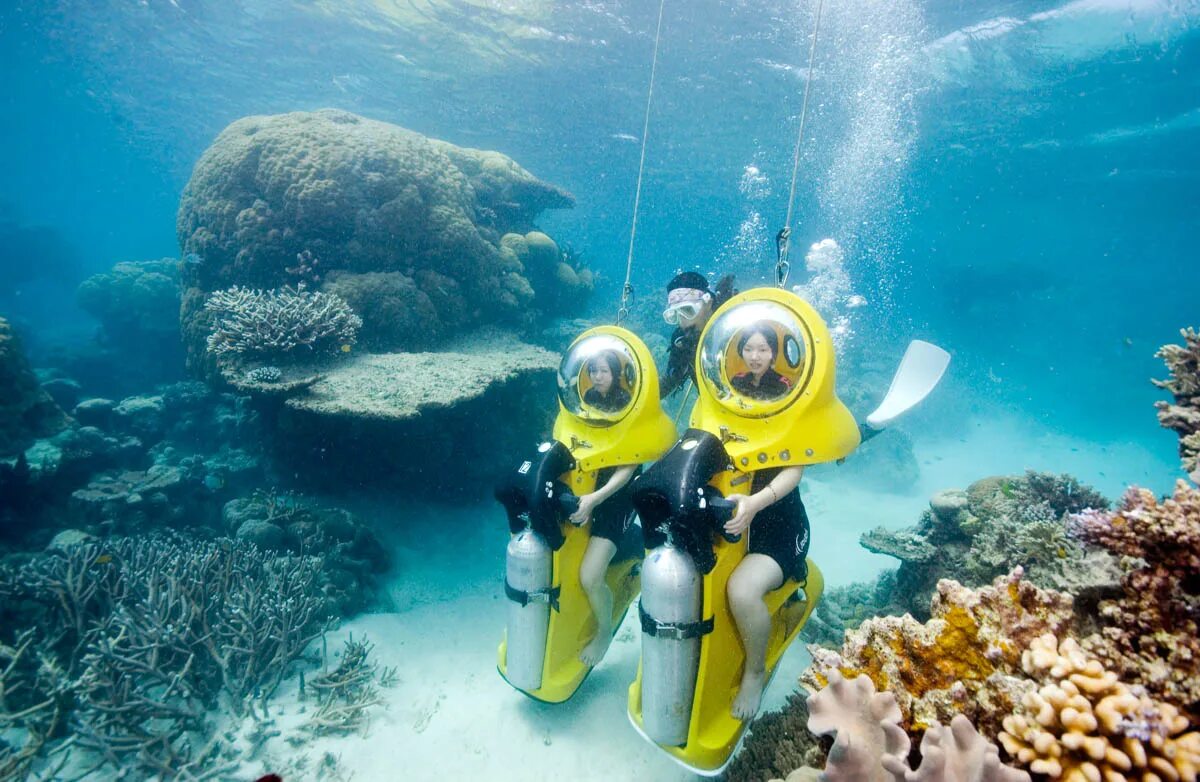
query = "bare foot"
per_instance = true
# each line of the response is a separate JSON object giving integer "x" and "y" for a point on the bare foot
{"x": 745, "y": 706}
{"x": 594, "y": 652}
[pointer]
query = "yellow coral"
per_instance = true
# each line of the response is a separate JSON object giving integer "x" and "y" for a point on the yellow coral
{"x": 1084, "y": 725}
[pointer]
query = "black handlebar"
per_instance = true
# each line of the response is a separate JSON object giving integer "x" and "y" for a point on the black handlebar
{"x": 723, "y": 510}
{"x": 568, "y": 502}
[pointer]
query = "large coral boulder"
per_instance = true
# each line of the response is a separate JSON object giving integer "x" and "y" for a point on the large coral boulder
{"x": 286, "y": 200}
{"x": 26, "y": 411}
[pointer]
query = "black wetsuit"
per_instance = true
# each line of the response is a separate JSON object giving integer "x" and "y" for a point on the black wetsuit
{"x": 771, "y": 385}
{"x": 681, "y": 360}
{"x": 780, "y": 530}
{"x": 614, "y": 402}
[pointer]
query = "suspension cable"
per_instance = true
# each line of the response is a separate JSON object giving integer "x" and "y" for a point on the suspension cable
{"x": 627, "y": 288}
{"x": 782, "y": 265}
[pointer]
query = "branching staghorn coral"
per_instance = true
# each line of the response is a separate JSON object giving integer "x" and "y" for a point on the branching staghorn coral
{"x": 346, "y": 694}
{"x": 1183, "y": 417}
{"x": 150, "y": 634}
{"x": 1149, "y": 636}
{"x": 279, "y": 323}
{"x": 1084, "y": 725}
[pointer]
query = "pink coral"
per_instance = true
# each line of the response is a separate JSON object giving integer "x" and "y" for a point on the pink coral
{"x": 1149, "y": 635}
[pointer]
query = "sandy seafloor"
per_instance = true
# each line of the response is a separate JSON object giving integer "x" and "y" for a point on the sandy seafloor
{"x": 451, "y": 716}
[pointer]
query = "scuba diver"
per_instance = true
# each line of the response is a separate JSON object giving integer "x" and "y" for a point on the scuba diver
{"x": 690, "y": 303}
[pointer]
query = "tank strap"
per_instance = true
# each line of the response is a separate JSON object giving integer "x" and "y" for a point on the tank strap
{"x": 675, "y": 631}
{"x": 548, "y": 595}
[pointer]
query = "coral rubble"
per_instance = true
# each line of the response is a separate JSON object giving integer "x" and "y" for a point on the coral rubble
{"x": 1084, "y": 724}
{"x": 1183, "y": 415}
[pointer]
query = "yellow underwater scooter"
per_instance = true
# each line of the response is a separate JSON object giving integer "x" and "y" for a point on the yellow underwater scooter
{"x": 549, "y": 618}
{"x": 692, "y": 657}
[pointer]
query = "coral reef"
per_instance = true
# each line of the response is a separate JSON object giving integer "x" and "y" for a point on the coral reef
{"x": 1183, "y": 416}
{"x": 1149, "y": 636}
{"x": 277, "y": 200}
{"x": 1083, "y": 723}
{"x": 166, "y": 459}
{"x": 446, "y": 423}
{"x": 26, "y": 411}
{"x": 144, "y": 636}
{"x": 778, "y": 743}
{"x": 396, "y": 313}
{"x": 135, "y": 302}
{"x": 997, "y": 524}
{"x": 287, "y": 324}
{"x": 351, "y": 553}
{"x": 966, "y": 659}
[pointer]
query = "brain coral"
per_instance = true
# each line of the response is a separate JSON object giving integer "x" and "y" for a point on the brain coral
{"x": 279, "y": 197}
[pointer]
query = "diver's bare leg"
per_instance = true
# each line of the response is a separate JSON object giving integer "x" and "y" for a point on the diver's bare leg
{"x": 599, "y": 553}
{"x": 757, "y": 575}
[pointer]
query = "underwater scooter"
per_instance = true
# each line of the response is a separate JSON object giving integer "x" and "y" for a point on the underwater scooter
{"x": 549, "y": 618}
{"x": 692, "y": 657}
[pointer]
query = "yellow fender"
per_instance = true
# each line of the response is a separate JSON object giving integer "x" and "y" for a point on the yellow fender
{"x": 641, "y": 432}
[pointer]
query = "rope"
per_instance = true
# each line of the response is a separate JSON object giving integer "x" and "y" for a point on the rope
{"x": 627, "y": 288}
{"x": 782, "y": 266}
{"x": 687, "y": 394}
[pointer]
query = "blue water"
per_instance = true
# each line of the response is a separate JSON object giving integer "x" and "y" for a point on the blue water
{"x": 1015, "y": 180}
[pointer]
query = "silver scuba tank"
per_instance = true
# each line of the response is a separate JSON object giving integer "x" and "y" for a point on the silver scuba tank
{"x": 671, "y": 594}
{"x": 528, "y": 569}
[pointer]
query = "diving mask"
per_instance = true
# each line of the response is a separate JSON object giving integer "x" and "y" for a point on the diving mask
{"x": 683, "y": 310}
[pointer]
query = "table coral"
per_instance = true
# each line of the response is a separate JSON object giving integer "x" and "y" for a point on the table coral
{"x": 1149, "y": 634}
{"x": 1084, "y": 725}
{"x": 965, "y": 659}
{"x": 1183, "y": 417}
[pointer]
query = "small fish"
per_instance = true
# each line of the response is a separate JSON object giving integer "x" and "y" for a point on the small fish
{"x": 193, "y": 259}
{"x": 345, "y": 348}
{"x": 104, "y": 559}
{"x": 625, "y": 137}
{"x": 213, "y": 482}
